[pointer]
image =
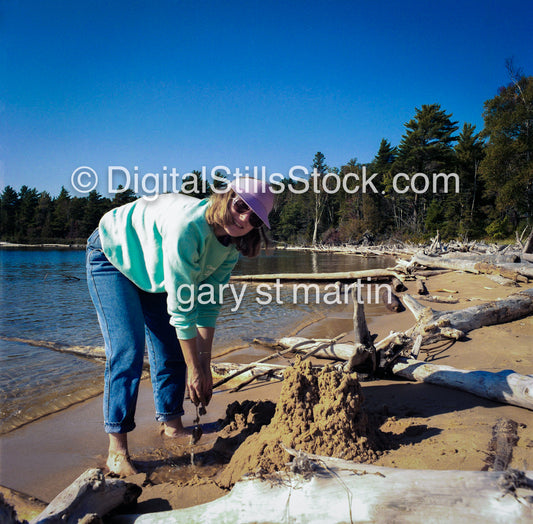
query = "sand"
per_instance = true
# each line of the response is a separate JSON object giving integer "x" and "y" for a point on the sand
{"x": 418, "y": 426}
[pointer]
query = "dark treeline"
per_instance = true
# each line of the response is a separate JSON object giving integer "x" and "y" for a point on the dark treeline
{"x": 491, "y": 196}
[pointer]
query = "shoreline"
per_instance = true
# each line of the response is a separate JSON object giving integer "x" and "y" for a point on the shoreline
{"x": 12, "y": 245}
{"x": 433, "y": 427}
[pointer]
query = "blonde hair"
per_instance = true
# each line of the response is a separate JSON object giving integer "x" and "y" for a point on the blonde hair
{"x": 218, "y": 214}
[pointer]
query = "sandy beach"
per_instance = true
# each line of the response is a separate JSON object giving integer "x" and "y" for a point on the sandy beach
{"x": 430, "y": 427}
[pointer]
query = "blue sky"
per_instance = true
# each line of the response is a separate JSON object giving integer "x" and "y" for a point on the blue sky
{"x": 188, "y": 84}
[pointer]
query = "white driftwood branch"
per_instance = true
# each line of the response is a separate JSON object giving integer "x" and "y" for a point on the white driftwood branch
{"x": 90, "y": 493}
{"x": 336, "y": 491}
{"x": 504, "y": 386}
{"x": 374, "y": 274}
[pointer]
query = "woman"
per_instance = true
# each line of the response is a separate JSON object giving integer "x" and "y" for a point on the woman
{"x": 145, "y": 264}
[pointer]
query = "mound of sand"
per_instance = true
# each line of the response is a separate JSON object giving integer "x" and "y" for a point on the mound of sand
{"x": 319, "y": 411}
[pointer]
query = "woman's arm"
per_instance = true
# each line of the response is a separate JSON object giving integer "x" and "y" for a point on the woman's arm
{"x": 197, "y": 354}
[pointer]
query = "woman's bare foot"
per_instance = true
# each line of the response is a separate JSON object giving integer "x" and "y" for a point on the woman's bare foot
{"x": 120, "y": 464}
{"x": 174, "y": 429}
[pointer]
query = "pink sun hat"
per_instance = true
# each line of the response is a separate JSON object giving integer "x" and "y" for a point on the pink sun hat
{"x": 257, "y": 194}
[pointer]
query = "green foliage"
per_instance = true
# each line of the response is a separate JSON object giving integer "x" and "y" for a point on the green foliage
{"x": 507, "y": 169}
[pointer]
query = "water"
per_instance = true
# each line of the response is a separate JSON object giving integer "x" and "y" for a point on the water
{"x": 45, "y": 303}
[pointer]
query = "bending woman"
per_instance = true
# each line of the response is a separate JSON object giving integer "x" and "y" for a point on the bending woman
{"x": 145, "y": 264}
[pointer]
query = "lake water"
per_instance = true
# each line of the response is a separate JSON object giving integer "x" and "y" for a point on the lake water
{"x": 44, "y": 302}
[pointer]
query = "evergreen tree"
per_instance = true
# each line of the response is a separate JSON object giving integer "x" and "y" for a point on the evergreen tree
{"x": 463, "y": 209}
{"x": 9, "y": 204}
{"x": 426, "y": 148}
{"x": 507, "y": 168}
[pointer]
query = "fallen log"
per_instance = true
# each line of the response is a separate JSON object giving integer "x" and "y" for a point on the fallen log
{"x": 335, "y": 351}
{"x": 431, "y": 323}
{"x": 504, "y": 386}
{"x": 373, "y": 274}
{"x": 502, "y": 281}
{"x": 440, "y": 299}
{"x": 390, "y": 300}
{"x": 496, "y": 258}
{"x": 421, "y": 288}
{"x": 334, "y": 490}
{"x": 90, "y": 493}
{"x": 508, "y": 270}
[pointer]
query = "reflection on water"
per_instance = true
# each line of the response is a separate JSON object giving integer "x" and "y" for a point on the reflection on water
{"x": 44, "y": 296}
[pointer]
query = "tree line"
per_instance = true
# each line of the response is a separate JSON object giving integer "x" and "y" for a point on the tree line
{"x": 490, "y": 196}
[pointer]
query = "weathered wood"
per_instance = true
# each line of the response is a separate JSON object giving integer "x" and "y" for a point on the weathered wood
{"x": 528, "y": 244}
{"x": 493, "y": 258}
{"x": 374, "y": 274}
{"x": 335, "y": 351}
{"x": 90, "y": 493}
{"x": 390, "y": 300}
{"x": 364, "y": 349}
{"x": 515, "y": 306}
{"x": 440, "y": 299}
{"x": 421, "y": 288}
{"x": 445, "y": 263}
{"x": 502, "y": 281}
{"x": 505, "y": 386}
{"x": 334, "y": 490}
{"x": 507, "y": 270}
{"x": 397, "y": 285}
{"x": 504, "y": 439}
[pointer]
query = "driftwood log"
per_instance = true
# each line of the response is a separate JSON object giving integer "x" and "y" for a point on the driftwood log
{"x": 508, "y": 270}
{"x": 374, "y": 274}
{"x": 364, "y": 350}
{"x": 333, "y": 490}
{"x": 505, "y": 386}
{"x": 390, "y": 300}
{"x": 90, "y": 494}
{"x": 434, "y": 325}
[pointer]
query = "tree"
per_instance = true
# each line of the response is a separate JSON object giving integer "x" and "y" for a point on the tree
{"x": 426, "y": 148}
{"x": 123, "y": 196}
{"x": 469, "y": 152}
{"x": 9, "y": 203}
{"x": 319, "y": 170}
{"x": 507, "y": 168}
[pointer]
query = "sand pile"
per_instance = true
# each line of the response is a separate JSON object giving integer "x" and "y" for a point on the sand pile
{"x": 320, "y": 412}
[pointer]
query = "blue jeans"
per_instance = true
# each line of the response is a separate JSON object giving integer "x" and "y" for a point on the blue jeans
{"x": 131, "y": 318}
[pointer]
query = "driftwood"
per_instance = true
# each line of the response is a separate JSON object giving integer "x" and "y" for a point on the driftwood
{"x": 436, "y": 325}
{"x": 390, "y": 300}
{"x": 397, "y": 285}
{"x": 495, "y": 258}
{"x": 421, "y": 288}
{"x": 364, "y": 349}
{"x": 502, "y": 281}
{"x": 334, "y": 491}
{"x": 374, "y": 274}
{"x": 91, "y": 493}
{"x": 440, "y": 299}
{"x": 508, "y": 270}
{"x": 432, "y": 326}
{"x": 505, "y": 386}
{"x": 504, "y": 439}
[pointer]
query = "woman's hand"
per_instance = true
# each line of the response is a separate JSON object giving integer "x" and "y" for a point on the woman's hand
{"x": 197, "y": 354}
{"x": 200, "y": 383}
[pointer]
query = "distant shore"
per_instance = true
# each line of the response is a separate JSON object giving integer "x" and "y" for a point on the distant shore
{"x": 11, "y": 245}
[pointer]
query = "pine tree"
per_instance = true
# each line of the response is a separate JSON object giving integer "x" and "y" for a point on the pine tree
{"x": 507, "y": 168}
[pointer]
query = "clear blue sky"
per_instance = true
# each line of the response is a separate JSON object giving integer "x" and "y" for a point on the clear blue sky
{"x": 186, "y": 84}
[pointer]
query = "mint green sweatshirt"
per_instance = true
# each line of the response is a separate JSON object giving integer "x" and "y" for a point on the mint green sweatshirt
{"x": 165, "y": 244}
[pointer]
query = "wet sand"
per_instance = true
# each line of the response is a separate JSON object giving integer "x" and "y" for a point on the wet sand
{"x": 433, "y": 427}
